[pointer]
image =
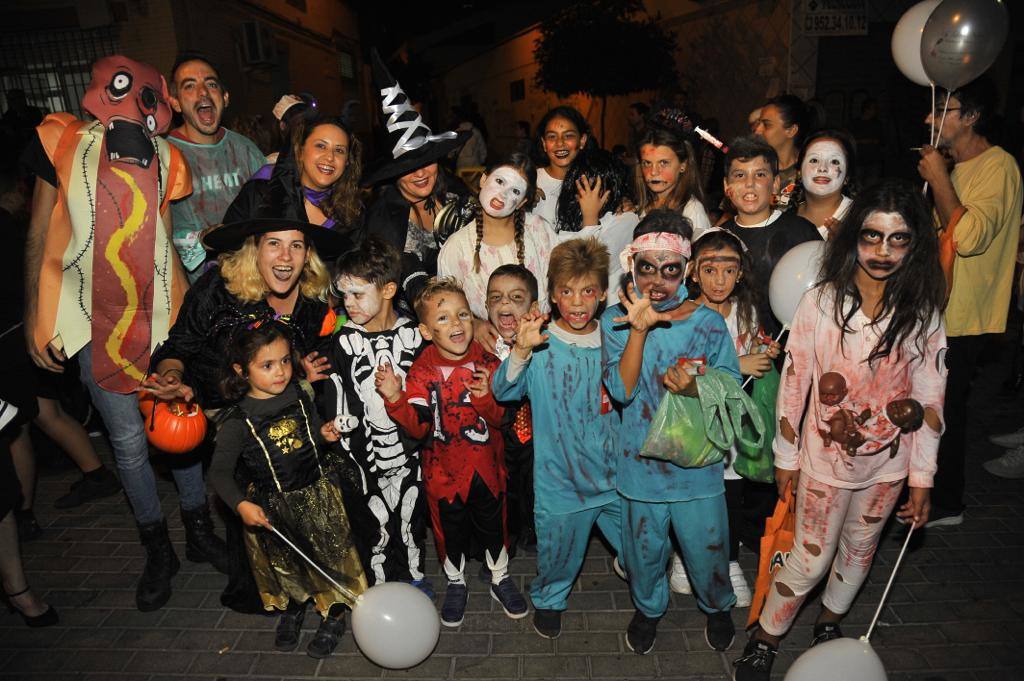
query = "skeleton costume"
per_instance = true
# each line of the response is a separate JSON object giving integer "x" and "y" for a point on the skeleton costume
{"x": 387, "y": 503}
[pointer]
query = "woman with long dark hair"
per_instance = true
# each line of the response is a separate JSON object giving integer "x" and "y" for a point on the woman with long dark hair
{"x": 783, "y": 123}
{"x": 562, "y": 134}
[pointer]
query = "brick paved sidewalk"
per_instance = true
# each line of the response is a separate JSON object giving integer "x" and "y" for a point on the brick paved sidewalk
{"x": 956, "y": 612}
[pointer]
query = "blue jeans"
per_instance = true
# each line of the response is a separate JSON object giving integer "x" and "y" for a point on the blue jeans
{"x": 123, "y": 419}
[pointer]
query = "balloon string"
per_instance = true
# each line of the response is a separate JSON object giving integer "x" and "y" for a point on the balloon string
{"x": 785, "y": 328}
{"x": 867, "y": 637}
{"x": 937, "y": 135}
{"x": 932, "y": 137}
{"x": 348, "y": 594}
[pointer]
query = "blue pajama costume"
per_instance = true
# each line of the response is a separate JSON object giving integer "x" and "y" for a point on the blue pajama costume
{"x": 658, "y": 493}
{"x": 574, "y": 473}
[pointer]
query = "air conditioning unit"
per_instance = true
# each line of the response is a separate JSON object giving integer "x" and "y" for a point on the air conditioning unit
{"x": 257, "y": 44}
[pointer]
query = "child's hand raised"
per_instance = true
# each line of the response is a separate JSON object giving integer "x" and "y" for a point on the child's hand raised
{"x": 529, "y": 334}
{"x": 252, "y": 515}
{"x": 639, "y": 313}
{"x": 317, "y": 368}
{"x": 480, "y": 385}
{"x": 756, "y": 364}
{"x": 592, "y": 200}
{"x": 388, "y": 384}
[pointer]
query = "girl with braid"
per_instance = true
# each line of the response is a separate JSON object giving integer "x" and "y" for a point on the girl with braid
{"x": 501, "y": 233}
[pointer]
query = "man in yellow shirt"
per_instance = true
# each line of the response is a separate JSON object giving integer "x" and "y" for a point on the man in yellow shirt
{"x": 987, "y": 183}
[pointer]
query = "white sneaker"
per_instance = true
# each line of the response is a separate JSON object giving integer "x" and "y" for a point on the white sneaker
{"x": 677, "y": 579}
{"x": 1008, "y": 440}
{"x": 739, "y": 585}
{"x": 1009, "y": 465}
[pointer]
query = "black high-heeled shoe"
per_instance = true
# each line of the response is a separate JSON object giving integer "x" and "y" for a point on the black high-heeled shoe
{"x": 47, "y": 618}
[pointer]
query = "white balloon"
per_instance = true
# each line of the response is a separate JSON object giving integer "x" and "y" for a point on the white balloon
{"x": 796, "y": 272}
{"x": 906, "y": 41}
{"x": 395, "y": 625}
{"x": 841, "y": 659}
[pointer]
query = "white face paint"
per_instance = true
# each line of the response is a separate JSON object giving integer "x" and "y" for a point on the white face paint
{"x": 823, "y": 171}
{"x": 362, "y": 300}
{"x": 502, "y": 192}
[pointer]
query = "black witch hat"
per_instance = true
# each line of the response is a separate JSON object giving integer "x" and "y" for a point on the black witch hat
{"x": 413, "y": 145}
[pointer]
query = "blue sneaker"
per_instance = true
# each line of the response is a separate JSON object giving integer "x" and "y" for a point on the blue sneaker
{"x": 425, "y": 586}
{"x": 453, "y": 610}
{"x": 507, "y": 593}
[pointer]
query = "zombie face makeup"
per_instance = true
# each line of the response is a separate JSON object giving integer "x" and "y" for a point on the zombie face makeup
{"x": 882, "y": 244}
{"x": 448, "y": 324}
{"x": 362, "y": 300}
{"x": 502, "y": 192}
{"x": 657, "y": 261}
{"x": 823, "y": 171}
{"x": 577, "y": 301}
{"x": 717, "y": 271}
{"x": 508, "y": 300}
{"x": 661, "y": 169}
{"x": 130, "y": 100}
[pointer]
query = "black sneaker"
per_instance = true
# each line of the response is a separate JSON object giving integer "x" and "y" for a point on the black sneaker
{"x": 547, "y": 623}
{"x": 756, "y": 663}
{"x": 89, "y": 488}
{"x": 326, "y": 638}
{"x": 289, "y": 627}
{"x": 454, "y": 607}
{"x": 825, "y": 631}
{"x": 507, "y": 593}
{"x": 719, "y": 631}
{"x": 641, "y": 632}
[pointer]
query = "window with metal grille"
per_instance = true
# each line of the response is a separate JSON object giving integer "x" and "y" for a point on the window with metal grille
{"x": 52, "y": 67}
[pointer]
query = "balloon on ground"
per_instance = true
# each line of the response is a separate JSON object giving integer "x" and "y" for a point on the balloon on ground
{"x": 962, "y": 39}
{"x": 796, "y": 273}
{"x": 841, "y": 659}
{"x": 906, "y": 41}
{"x": 395, "y": 625}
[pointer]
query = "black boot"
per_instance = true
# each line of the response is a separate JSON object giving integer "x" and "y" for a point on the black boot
{"x": 201, "y": 544}
{"x": 154, "y": 587}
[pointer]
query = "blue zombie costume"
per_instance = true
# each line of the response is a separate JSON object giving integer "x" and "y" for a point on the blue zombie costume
{"x": 655, "y": 492}
{"x": 574, "y": 428}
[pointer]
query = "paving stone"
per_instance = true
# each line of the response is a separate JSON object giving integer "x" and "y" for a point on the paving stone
{"x": 205, "y": 639}
{"x": 555, "y": 667}
{"x": 222, "y": 663}
{"x": 153, "y": 639}
{"x": 625, "y": 666}
{"x": 464, "y": 643}
{"x": 291, "y": 664}
{"x": 167, "y": 661}
{"x": 526, "y": 643}
{"x": 92, "y": 637}
{"x": 589, "y": 642}
{"x": 706, "y": 662}
{"x": 491, "y": 667}
{"x": 352, "y": 666}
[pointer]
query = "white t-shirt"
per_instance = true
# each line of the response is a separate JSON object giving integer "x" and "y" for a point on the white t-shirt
{"x": 456, "y": 260}
{"x": 695, "y": 213}
{"x": 547, "y": 207}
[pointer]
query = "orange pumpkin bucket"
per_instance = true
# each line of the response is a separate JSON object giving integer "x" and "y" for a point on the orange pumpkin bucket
{"x": 175, "y": 427}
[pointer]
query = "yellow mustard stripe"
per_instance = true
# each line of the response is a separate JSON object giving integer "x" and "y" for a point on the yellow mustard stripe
{"x": 131, "y": 226}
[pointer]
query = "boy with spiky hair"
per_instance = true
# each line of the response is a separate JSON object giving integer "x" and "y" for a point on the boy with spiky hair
{"x": 573, "y": 423}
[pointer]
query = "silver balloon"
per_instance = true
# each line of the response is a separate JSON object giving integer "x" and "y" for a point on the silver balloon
{"x": 841, "y": 659}
{"x": 962, "y": 39}
{"x": 395, "y": 625}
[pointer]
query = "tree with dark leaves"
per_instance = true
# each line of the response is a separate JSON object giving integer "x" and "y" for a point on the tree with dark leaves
{"x": 604, "y": 48}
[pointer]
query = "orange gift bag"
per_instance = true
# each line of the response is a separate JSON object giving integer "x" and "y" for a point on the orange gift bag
{"x": 775, "y": 547}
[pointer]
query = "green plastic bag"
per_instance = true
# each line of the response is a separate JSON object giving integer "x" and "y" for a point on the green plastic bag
{"x": 758, "y": 463}
{"x": 696, "y": 432}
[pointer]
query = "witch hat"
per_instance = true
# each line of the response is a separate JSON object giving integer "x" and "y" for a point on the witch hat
{"x": 412, "y": 144}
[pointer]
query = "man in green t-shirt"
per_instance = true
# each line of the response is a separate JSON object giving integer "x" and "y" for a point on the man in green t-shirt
{"x": 221, "y": 161}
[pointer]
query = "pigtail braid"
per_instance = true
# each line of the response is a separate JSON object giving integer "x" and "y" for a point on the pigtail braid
{"x": 479, "y": 217}
{"x": 520, "y": 236}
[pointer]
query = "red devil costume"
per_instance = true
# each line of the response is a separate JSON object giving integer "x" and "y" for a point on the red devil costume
{"x": 109, "y": 272}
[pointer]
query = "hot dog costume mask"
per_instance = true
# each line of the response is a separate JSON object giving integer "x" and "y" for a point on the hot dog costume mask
{"x": 109, "y": 271}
